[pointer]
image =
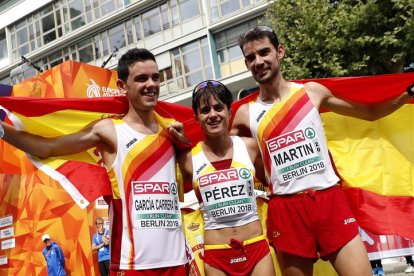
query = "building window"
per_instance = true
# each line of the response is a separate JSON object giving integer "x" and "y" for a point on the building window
{"x": 117, "y": 37}
{"x": 53, "y": 59}
{"x": 189, "y": 9}
{"x": 166, "y": 22}
{"x": 175, "y": 17}
{"x": 151, "y": 22}
{"x": 220, "y": 9}
{"x": 3, "y": 46}
{"x": 229, "y": 54}
{"x": 85, "y": 50}
{"x": 76, "y": 15}
{"x": 108, "y": 6}
{"x": 190, "y": 64}
{"x": 55, "y": 20}
{"x": 229, "y": 6}
{"x": 130, "y": 34}
{"x": 138, "y": 28}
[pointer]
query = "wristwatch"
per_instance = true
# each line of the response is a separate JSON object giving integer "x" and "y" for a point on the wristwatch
{"x": 1, "y": 130}
{"x": 409, "y": 91}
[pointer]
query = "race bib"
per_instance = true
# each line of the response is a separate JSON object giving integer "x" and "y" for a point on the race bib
{"x": 227, "y": 193}
{"x": 155, "y": 205}
{"x": 295, "y": 154}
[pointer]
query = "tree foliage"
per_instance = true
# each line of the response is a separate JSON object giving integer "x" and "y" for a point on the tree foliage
{"x": 344, "y": 37}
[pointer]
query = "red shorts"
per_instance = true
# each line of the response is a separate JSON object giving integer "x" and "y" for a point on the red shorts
{"x": 311, "y": 224}
{"x": 181, "y": 270}
{"x": 237, "y": 258}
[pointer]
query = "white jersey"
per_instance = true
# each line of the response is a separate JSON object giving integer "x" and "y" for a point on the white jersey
{"x": 227, "y": 197}
{"x": 145, "y": 217}
{"x": 293, "y": 144}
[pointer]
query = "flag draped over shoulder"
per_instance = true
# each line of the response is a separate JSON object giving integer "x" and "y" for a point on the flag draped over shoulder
{"x": 374, "y": 159}
{"x": 81, "y": 175}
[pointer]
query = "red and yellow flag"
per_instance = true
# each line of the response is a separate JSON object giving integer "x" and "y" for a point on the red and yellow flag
{"x": 374, "y": 159}
{"x": 81, "y": 175}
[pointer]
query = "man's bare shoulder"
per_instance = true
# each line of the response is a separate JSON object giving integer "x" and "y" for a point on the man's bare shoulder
{"x": 317, "y": 92}
{"x": 241, "y": 125}
{"x": 316, "y": 88}
{"x": 104, "y": 128}
{"x": 103, "y": 123}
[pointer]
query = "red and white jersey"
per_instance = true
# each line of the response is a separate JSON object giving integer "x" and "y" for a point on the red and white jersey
{"x": 293, "y": 143}
{"x": 227, "y": 197}
{"x": 145, "y": 217}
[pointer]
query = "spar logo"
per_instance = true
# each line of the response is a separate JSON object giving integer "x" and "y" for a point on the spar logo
{"x": 217, "y": 177}
{"x": 286, "y": 140}
{"x": 140, "y": 187}
{"x": 244, "y": 173}
{"x": 94, "y": 90}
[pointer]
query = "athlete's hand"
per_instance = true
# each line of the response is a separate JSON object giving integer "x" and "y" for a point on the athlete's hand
{"x": 176, "y": 129}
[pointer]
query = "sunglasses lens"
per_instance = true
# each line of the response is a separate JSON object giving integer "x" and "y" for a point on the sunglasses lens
{"x": 204, "y": 84}
{"x": 262, "y": 28}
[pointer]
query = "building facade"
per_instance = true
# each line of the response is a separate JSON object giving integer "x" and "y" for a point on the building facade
{"x": 193, "y": 40}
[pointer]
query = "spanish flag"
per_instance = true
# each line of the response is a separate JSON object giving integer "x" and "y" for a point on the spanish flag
{"x": 82, "y": 175}
{"x": 374, "y": 159}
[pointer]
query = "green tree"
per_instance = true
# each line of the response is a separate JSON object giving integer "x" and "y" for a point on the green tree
{"x": 343, "y": 38}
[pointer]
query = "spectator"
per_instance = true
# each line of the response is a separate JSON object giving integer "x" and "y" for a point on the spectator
{"x": 100, "y": 243}
{"x": 54, "y": 257}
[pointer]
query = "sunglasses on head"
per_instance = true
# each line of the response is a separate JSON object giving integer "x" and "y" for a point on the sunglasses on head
{"x": 262, "y": 28}
{"x": 204, "y": 84}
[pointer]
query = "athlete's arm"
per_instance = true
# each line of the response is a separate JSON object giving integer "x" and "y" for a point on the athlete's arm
{"x": 322, "y": 97}
{"x": 256, "y": 158}
{"x": 95, "y": 134}
{"x": 186, "y": 166}
{"x": 240, "y": 125}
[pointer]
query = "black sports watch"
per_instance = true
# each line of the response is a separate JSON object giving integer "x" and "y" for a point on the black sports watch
{"x": 409, "y": 91}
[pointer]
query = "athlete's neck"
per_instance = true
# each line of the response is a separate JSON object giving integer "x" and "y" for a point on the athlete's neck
{"x": 218, "y": 148}
{"x": 142, "y": 121}
{"x": 274, "y": 91}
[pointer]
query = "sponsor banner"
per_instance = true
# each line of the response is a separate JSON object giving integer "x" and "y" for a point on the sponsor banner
{"x": 7, "y": 233}
{"x": 7, "y": 244}
{"x": 6, "y": 221}
{"x": 386, "y": 246}
{"x": 3, "y": 260}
